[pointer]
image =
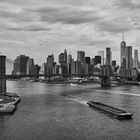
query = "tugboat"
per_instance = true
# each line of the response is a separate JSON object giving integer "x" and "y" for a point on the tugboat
{"x": 115, "y": 112}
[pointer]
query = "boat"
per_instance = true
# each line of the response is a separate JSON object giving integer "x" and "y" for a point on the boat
{"x": 112, "y": 111}
{"x": 72, "y": 84}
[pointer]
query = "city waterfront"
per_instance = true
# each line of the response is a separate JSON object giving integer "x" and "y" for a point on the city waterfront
{"x": 60, "y": 112}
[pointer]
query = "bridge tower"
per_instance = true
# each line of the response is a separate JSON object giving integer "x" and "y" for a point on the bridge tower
{"x": 2, "y": 73}
{"x": 105, "y": 80}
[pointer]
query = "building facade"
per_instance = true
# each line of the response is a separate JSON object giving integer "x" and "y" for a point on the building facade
{"x": 108, "y": 56}
{"x": 81, "y": 56}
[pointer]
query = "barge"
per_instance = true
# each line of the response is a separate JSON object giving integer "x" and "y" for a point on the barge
{"x": 112, "y": 111}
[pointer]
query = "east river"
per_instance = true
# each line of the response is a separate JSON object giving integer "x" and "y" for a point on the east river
{"x": 60, "y": 112}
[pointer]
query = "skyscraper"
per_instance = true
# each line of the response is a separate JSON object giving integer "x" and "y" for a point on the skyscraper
{"x": 123, "y": 57}
{"x": 129, "y": 61}
{"x": 136, "y": 60}
{"x": 123, "y": 51}
{"x": 108, "y": 56}
{"x": 65, "y": 56}
{"x": 69, "y": 58}
{"x": 61, "y": 58}
{"x": 76, "y": 67}
{"x": 87, "y": 60}
{"x": 30, "y": 64}
{"x": 81, "y": 56}
{"x": 101, "y": 53}
{"x": 97, "y": 59}
{"x": 20, "y": 65}
{"x": 49, "y": 64}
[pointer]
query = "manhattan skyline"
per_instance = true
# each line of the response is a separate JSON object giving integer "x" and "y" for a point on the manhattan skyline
{"x": 39, "y": 28}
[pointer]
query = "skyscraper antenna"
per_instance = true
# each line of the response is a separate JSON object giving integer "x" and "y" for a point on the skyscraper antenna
{"x": 123, "y": 36}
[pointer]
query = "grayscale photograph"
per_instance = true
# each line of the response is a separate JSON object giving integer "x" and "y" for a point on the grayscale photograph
{"x": 69, "y": 70}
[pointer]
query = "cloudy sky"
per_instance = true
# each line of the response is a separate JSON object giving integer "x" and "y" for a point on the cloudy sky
{"x": 40, "y": 27}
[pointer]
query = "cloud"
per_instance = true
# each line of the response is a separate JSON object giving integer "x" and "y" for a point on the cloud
{"x": 67, "y": 14}
{"x": 41, "y": 27}
{"x": 129, "y": 4}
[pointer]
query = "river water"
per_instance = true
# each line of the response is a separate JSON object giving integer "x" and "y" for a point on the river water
{"x": 60, "y": 112}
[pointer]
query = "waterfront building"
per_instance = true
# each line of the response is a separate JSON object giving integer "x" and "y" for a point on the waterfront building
{"x": 97, "y": 60}
{"x": 65, "y": 56}
{"x": 34, "y": 70}
{"x": 76, "y": 67}
{"x": 113, "y": 63}
{"x": 64, "y": 68}
{"x": 101, "y": 53}
{"x": 84, "y": 68}
{"x": 55, "y": 68}
{"x": 49, "y": 64}
{"x": 9, "y": 66}
{"x": 69, "y": 68}
{"x": 30, "y": 64}
{"x": 129, "y": 61}
{"x": 81, "y": 56}
{"x": 108, "y": 56}
{"x": 69, "y": 58}
{"x": 87, "y": 60}
{"x": 136, "y": 60}
{"x": 20, "y": 65}
{"x": 60, "y": 70}
{"x": 42, "y": 69}
{"x": 63, "y": 62}
{"x": 61, "y": 58}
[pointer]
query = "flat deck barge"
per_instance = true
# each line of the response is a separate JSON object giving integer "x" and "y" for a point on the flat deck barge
{"x": 115, "y": 112}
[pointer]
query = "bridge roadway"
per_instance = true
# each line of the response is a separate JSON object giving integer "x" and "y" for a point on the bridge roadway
{"x": 64, "y": 75}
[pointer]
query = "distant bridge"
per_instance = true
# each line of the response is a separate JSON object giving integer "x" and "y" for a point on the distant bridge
{"x": 63, "y": 75}
{"x": 49, "y": 75}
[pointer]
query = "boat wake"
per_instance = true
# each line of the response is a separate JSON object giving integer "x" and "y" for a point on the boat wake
{"x": 115, "y": 92}
{"x": 79, "y": 100}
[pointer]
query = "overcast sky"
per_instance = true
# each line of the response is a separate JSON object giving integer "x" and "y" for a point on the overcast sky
{"x": 40, "y": 27}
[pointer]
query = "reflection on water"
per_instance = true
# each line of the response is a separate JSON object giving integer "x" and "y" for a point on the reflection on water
{"x": 60, "y": 112}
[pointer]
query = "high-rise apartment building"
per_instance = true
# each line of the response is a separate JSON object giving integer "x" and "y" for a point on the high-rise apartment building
{"x": 81, "y": 56}
{"x": 30, "y": 64}
{"x": 108, "y": 56}
{"x": 20, "y": 65}
{"x": 76, "y": 67}
{"x": 101, "y": 53}
{"x": 69, "y": 58}
{"x": 129, "y": 61}
{"x": 87, "y": 60}
{"x": 136, "y": 60}
{"x": 61, "y": 58}
{"x": 49, "y": 64}
{"x": 97, "y": 60}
